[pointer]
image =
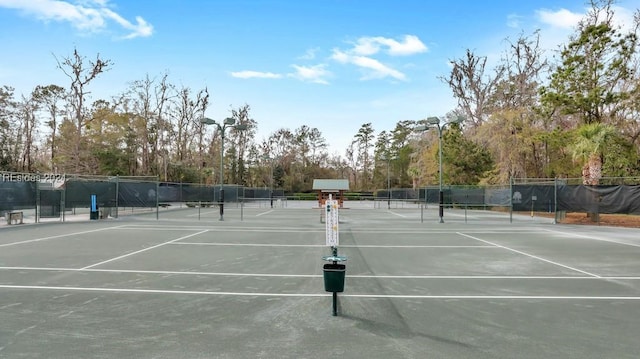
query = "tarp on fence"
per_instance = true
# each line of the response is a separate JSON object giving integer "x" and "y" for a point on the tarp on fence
{"x": 197, "y": 193}
{"x": 398, "y": 194}
{"x": 193, "y": 192}
{"x": 539, "y": 198}
{"x": 78, "y": 193}
{"x": 429, "y": 195}
{"x": 467, "y": 196}
{"x": 257, "y": 193}
{"x": 497, "y": 196}
{"x": 137, "y": 194}
{"x": 169, "y": 192}
{"x": 17, "y": 195}
{"x": 50, "y": 203}
{"x": 599, "y": 199}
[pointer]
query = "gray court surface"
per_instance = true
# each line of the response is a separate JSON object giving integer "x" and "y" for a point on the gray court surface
{"x": 187, "y": 285}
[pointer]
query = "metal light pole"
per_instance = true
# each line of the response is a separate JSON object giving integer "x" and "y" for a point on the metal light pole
{"x": 227, "y": 123}
{"x": 270, "y": 179}
{"x": 388, "y": 159}
{"x": 388, "y": 184}
{"x": 435, "y": 122}
{"x": 271, "y": 185}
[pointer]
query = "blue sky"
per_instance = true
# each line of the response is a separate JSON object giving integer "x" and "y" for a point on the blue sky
{"x": 330, "y": 64}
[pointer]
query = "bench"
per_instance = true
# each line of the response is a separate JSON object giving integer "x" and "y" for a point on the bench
{"x": 15, "y": 217}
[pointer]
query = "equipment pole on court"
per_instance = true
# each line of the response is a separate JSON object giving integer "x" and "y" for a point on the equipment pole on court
{"x": 221, "y": 199}
{"x": 335, "y": 294}
{"x": 333, "y": 273}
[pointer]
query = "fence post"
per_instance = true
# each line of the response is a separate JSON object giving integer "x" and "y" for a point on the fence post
{"x": 37, "y": 204}
{"x": 117, "y": 193}
{"x": 157, "y": 198}
{"x": 555, "y": 200}
{"x": 510, "y": 199}
{"x": 63, "y": 199}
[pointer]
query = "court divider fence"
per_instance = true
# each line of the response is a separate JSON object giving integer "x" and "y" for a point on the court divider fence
{"x": 555, "y": 196}
{"x": 53, "y": 195}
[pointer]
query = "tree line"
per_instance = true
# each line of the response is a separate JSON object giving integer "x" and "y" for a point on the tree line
{"x": 571, "y": 113}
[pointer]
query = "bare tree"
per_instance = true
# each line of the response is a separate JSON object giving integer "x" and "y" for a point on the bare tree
{"x": 187, "y": 112}
{"x": 149, "y": 99}
{"x": 28, "y": 126}
{"x": 8, "y": 140}
{"x": 510, "y": 130}
{"x": 50, "y": 97}
{"x": 472, "y": 86}
{"x": 241, "y": 140}
{"x": 81, "y": 72}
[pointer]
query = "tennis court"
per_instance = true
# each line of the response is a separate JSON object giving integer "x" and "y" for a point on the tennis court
{"x": 186, "y": 285}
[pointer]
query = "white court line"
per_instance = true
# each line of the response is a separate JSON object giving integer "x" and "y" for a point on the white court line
{"x": 374, "y": 276}
{"x": 484, "y": 277}
{"x": 531, "y": 255}
{"x": 323, "y": 245}
{"x": 384, "y": 230}
{"x": 129, "y": 290}
{"x": 201, "y": 213}
{"x": 261, "y": 294}
{"x": 145, "y": 249}
{"x": 411, "y": 246}
{"x": 194, "y": 215}
{"x": 397, "y": 214}
{"x": 133, "y": 271}
{"x": 228, "y": 229}
{"x": 250, "y": 244}
{"x": 512, "y": 297}
{"x": 263, "y": 213}
{"x": 58, "y": 236}
{"x": 591, "y": 237}
{"x": 449, "y": 213}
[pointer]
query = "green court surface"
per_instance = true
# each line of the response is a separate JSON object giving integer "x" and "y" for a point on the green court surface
{"x": 182, "y": 284}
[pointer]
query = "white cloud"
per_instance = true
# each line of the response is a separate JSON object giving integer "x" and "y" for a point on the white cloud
{"x": 410, "y": 45}
{"x": 92, "y": 15}
{"x": 378, "y": 69}
{"x": 310, "y": 54}
{"x": 366, "y": 46}
{"x": 255, "y": 74}
{"x": 140, "y": 29}
{"x": 340, "y": 56}
{"x": 316, "y": 74}
{"x": 559, "y": 26}
{"x": 513, "y": 21}
{"x": 359, "y": 55}
{"x": 375, "y": 68}
{"x": 562, "y": 18}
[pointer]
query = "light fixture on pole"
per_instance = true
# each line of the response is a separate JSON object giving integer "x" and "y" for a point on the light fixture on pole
{"x": 227, "y": 123}
{"x": 436, "y": 122}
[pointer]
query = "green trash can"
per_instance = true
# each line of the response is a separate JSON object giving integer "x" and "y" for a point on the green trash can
{"x": 334, "y": 277}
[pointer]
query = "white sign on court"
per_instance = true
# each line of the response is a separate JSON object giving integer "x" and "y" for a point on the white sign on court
{"x": 331, "y": 221}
